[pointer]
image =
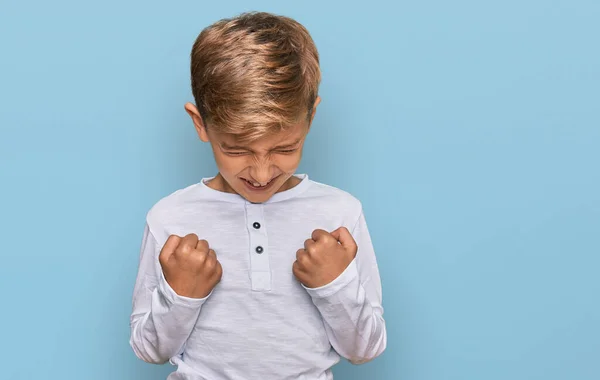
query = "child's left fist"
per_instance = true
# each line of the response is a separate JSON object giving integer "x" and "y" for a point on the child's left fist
{"x": 324, "y": 257}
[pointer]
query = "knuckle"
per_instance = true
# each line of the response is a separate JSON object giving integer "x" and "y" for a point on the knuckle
{"x": 189, "y": 240}
{"x": 303, "y": 260}
{"x": 185, "y": 248}
{"x": 210, "y": 264}
{"x": 162, "y": 258}
{"x": 200, "y": 255}
{"x": 173, "y": 237}
{"x": 197, "y": 259}
{"x": 202, "y": 244}
{"x": 318, "y": 232}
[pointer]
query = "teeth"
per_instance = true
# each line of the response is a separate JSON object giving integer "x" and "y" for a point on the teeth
{"x": 256, "y": 184}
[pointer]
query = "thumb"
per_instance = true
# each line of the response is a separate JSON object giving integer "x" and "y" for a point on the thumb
{"x": 344, "y": 237}
{"x": 170, "y": 246}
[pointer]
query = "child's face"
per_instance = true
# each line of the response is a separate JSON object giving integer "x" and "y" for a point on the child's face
{"x": 269, "y": 162}
{"x": 259, "y": 169}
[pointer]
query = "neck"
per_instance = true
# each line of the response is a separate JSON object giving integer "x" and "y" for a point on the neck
{"x": 218, "y": 183}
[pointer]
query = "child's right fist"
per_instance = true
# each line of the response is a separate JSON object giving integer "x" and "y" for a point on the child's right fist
{"x": 190, "y": 267}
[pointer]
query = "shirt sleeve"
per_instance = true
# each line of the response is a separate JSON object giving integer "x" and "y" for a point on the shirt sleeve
{"x": 351, "y": 305}
{"x": 161, "y": 320}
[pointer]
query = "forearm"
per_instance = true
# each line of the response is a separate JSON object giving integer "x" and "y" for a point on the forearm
{"x": 355, "y": 326}
{"x": 160, "y": 333}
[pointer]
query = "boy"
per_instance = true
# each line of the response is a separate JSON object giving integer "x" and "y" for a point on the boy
{"x": 257, "y": 272}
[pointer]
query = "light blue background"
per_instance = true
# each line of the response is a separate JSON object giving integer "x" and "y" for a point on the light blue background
{"x": 470, "y": 130}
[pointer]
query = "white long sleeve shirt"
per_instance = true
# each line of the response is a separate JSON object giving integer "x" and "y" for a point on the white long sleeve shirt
{"x": 259, "y": 322}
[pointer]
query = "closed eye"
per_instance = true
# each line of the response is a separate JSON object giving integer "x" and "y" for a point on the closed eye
{"x": 235, "y": 153}
{"x": 286, "y": 151}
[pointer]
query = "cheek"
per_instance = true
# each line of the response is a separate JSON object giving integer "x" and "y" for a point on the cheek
{"x": 230, "y": 165}
{"x": 289, "y": 163}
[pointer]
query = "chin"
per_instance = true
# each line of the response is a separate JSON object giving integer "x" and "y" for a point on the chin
{"x": 260, "y": 196}
{"x": 255, "y": 198}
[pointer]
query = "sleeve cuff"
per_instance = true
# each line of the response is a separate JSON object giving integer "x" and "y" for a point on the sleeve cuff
{"x": 173, "y": 298}
{"x": 345, "y": 278}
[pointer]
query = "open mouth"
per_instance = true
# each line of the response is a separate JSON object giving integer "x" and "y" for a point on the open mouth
{"x": 256, "y": 186}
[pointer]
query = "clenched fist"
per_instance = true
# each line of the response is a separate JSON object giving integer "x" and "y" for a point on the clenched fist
{"x": 190, "y": 267}
{"x": 324, "y": 257}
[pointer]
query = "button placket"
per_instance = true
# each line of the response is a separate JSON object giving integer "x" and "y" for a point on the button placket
{"x": 260, "y": 267}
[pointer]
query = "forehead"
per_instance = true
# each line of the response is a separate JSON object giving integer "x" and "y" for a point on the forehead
{"x": 287, "y": 136}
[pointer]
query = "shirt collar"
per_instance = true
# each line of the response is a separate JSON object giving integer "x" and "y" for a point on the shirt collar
{"x": 236, "y": 198}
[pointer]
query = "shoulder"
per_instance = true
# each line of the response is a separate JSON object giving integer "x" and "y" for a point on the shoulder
{"x": 173, "y": 208}
{"x": 335, "y": 199}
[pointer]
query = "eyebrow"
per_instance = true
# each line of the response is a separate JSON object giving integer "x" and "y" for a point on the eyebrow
{"x": 239, "y": 147}
{"x": 288, "y": 145}
{"x": 232, "y": 147}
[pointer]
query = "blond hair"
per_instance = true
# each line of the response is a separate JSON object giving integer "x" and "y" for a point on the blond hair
{"x": 254, "y": 74}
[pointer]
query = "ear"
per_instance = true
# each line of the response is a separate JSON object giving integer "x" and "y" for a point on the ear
{"x": 192, "y": 110}
{"x": 314, "y": 109}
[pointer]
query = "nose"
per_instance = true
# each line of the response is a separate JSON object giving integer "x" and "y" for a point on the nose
{"x": 261, "y": 173}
